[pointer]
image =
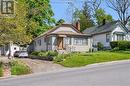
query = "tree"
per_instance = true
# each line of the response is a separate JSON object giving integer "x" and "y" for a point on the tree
{"x": 93, "y": 5}
{"x": 84, "y": 19}
{"x": 101, "y": 15}
{"x": 121, "y": 7}
{"x": 14, "y": 29}
{"x": 61, "y": 21}
{"x": 40, "y": 14}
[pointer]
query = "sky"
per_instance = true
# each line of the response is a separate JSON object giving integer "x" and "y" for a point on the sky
{"x": 64, "y": 11}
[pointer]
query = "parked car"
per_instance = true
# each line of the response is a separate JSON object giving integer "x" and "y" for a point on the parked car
{"x": 21, "y": 54}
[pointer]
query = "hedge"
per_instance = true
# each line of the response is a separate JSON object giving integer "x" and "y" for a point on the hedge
{"x": 122, "y": 45}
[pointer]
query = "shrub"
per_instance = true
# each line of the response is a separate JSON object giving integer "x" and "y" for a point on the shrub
{"x": 42, "y": 54}
{"x": 34, "y": 53}
{"x": 114, "y": 44}
{"x": 121, "y": 45}
{"x": 52, "y": 53}
{"x": 18, "y": 68}
{"x": 100, "y": 46}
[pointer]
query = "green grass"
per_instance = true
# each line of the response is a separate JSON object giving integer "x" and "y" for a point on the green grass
{"x": 80, "y": 59}
{"x": 19, "y": 68}
{"x": 1, "y": 69}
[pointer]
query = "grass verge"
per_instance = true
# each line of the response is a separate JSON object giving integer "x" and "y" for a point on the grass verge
{"x": 82, "y": 59}
{"x": 1, "y": 69}
{"x": 19, "y": 68}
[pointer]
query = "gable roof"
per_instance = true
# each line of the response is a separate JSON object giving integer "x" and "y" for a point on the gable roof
{"x": 61, "y": 32}
{"x": 108, "y": 27}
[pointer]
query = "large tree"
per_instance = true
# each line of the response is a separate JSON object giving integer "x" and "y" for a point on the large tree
{"x": 14, "y": 29}
{"x": 122, "y": 8}
{"x": 101, "y": 15}
{"x": 84, "y": 19}
{"x": 39, "y": 16}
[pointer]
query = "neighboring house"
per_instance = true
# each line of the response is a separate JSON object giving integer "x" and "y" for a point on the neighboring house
{"x": 63, "y": 38}
{"x": 5, "y": 49}
{"x": 108, "y": 32}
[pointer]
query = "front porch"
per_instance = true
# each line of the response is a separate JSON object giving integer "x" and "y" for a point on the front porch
{"x": 67, "y": 43}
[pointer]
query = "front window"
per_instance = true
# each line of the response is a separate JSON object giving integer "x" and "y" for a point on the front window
{"x": 39, "y": 42}
{"x": 80, "y": 41}
{"x": 67, "y": 41}
{"x": 120, "y": 37}
{"x": 107, "y": 37}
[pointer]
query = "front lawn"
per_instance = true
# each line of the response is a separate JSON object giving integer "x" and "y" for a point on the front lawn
{"x": 82, "y": 59}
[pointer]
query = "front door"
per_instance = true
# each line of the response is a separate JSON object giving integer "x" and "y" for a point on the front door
{"x": 60, "y": 43}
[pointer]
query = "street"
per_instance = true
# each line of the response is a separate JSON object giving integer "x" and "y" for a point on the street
{"x": 102, "y": 75}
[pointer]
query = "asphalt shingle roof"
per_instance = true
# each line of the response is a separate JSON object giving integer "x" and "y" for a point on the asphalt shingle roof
{"x": 108, "y": 27}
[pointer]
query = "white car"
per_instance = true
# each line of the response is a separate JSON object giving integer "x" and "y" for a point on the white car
{"x": 21, "y": 54}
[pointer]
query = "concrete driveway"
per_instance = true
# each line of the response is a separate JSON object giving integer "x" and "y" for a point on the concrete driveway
{"x": 38, "y": 66}
{"x": 113, "y": 74}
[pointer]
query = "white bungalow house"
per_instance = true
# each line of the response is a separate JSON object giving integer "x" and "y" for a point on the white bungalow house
{"x": 68, "y": 38}
{"x": 112, "y": 31}
{"x": 63, "y": 38}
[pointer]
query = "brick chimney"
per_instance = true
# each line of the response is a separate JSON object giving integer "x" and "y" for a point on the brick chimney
{"x": 77, "y": 25}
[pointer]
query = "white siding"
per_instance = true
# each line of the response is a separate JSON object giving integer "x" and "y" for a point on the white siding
{"x": 41, "y": 47}
{"x": 119, "y": 29}
{"x": 100, "y": 38}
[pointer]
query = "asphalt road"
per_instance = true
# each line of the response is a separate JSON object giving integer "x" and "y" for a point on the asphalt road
{"x": 102, "y": 75}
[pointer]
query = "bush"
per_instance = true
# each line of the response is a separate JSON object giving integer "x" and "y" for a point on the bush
{"x": 114, "y": 44}
{"x": 52, "y": 53}
{"x": 42, "y": 54}
{"x": 122, "y": 45}
{"x": 18, "y": 68}
{"x": 35, "y": 53}
{"x": 100, "y": 46}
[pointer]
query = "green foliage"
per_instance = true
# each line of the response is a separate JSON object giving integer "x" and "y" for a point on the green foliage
{"x": 61, "y": 57}
{"x": 77, "y": 60}
{"x": 1, "y": 69}
{"x": 40, "y": 14}
{"x": 19, "y": 68}
{"x": 44, "y": 53}
{"x": 121, "y": 45}
{"x": 14, "y": 29}
{"x": 114, "y": 44}
{"x": 101, "y": 15}
{"x": 84, "y": 18}
{"x": 52, "y": 53}
{"x": 35, "y": 53}
{"x": 100, "y": 46}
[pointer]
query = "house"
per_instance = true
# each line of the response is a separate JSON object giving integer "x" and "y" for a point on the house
{"x": 5, "y": 49}
{"x": 107, "y": 32}
{"x": 63, "y": 39}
